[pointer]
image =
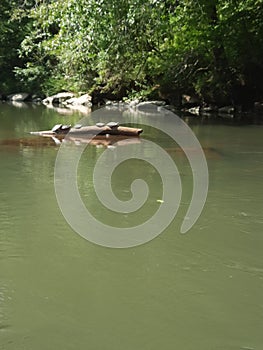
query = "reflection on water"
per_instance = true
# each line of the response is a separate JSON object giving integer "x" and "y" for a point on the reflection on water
{"x": 202, "y": 290}
{"x": 39, "y": 141}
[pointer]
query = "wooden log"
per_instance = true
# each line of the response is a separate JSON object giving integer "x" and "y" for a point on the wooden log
{"x": 106, "y": 130}
{"x": 93, "y": 130}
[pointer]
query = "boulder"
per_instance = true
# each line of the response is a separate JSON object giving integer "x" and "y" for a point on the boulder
{"x": 149, "y": 106}
{"x": 83, "y": 100}
{"x": 171, "y": 108}
{"x": 18, "y": 97}
{"x": 58, "y": 99}
{"x": 226, "y": 110}
{"x": 36, "y": 99}
{"x": 190, "y": 101}
{"x": 134, "y": 103}
{"x": 194, "y": 110}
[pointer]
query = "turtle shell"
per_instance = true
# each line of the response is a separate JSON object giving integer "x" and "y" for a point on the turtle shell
{"x": 65, "y": 127}
{"x": 100, "y": 125}
{"x": 113, "y": 124}
{"x": 56, "y": 127}
{"x": 78, "y": 126}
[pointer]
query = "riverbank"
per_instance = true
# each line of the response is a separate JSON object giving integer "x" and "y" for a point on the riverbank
{"x": 67, "y": 102}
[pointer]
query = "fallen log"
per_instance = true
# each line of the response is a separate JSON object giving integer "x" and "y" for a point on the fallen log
{"x": 106, "y": 130}
{"x": 98, "y": 129}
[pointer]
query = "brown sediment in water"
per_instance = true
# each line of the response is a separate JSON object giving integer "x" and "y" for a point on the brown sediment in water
{"x": 41, "y": 141}
{"x": 31, "y": 142}
{"x": 99, "y": 140}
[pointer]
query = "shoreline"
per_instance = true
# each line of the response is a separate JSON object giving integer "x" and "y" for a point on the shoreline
{"x": 69, "y": 102}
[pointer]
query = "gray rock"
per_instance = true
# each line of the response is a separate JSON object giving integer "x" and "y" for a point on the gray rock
{"x": 226, "y": 109}
{"x": 188, "y": 100}
{"x": 58, "y": 99}
{"x": 18, "y": 97}
{"x": 36, "y": 99}
{"x": 146, "y": 105}
{"x": 170, "y": 108}
{"x": 134, "y": 103}
{"x": 149, "y": 106}
{"x": 194, "y": 110}
{"x": 83, "y": 100}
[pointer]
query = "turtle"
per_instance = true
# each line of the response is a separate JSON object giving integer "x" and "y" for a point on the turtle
{"x": 65, "y": 127}
{"x": 57, "y": 127}
{"x": 100, "y": 125}
{"x": 113, "y": 124}
{"x": 60, "y": 128}
{"x": 77, "y": 126}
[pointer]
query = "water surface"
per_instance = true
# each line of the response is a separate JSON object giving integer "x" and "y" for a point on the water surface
{"x": 202, "y": 290}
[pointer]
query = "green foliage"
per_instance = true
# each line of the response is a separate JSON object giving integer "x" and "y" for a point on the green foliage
{"x": 13, "y": 26}
{"x": 129, "y": 47}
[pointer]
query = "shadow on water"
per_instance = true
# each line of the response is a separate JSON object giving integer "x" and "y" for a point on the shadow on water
{"x": 39, "y": 142}
{"x": 56, "y": 141}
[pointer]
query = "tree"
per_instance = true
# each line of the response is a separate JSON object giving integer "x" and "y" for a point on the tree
{"x": 212, "y": 48}
{"x": 13, "y": 26}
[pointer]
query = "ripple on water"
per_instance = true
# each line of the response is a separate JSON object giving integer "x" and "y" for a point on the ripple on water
{"x": 10, "y": 238}
{"x": 3, "y": 315}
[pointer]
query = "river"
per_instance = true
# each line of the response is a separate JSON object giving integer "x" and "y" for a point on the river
{"x": 196, "y": 291}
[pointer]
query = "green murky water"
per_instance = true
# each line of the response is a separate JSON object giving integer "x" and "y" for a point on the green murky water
{"x": 199, "y": 291}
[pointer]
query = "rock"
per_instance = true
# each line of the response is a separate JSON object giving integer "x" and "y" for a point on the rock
{"x": 226, "y": 110}
{"x": 149, "y": 106}
{"x": 36, "y": 99}
{"x": 158, "y": 103}
{"x": 134, "y": 103}
{"x": 146, "y": 107}
{"x": 209, "y": 109}
{"x": 83, "y": 100}
{"x": 58, "y": 98}
{"x": 18, "y": 97}
{"x": 190, "y": 101}
{"x": 171, "y": 108}
{"x": 194, "y": 110}
{"x": 48, "y": 100}
{"x": 111, "y": 102}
